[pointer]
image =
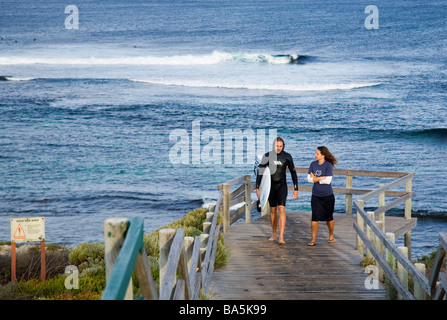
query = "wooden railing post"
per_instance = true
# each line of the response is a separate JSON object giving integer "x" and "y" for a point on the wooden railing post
{"x": 207, "y": 227}
{"x": 402, "y": 273}
{"x": 391, "y": 261}
{"x": 114, "y": 231}
{"x": 370, "y": 234}
{"x": 407, "y": 240}
{"x": 204, "y": 238}
{"x": 348, "y": 199}
{"x": 188, "y": 247}
{"x": 226, "y": 207}
{"x": 419, "y": 293}
{"x": 381, "y": 248}
{"x": 361, "y": 224}
{"x": 381, "y": 216}
{"x": 248, "y": 199}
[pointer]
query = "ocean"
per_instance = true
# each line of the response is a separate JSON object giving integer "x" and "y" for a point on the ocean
{"x": 122, "y": 109}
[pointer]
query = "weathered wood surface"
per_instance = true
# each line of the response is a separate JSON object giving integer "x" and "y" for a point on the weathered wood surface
{"x": 263, "y": 270}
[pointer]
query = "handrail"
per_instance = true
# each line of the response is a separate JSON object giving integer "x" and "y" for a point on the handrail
{"x": 242, "y": 191}
{"x": 375, "y": 193}
{"x": 378, "y": 239}
{"x": 417, "y": 275}
{"x": 440, "y": 293}
{"x": 428, "y": 286}
{"x": 388, "y": 270}
{"x": 125, "y": 263}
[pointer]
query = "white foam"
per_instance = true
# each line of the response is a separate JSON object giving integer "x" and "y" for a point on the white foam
{"x": 19, "y": 79}
{"x": 268, "y": 87}
{"x": 215, "y": 57}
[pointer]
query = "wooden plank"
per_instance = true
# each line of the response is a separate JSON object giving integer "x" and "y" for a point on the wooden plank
{"x": 360, "y": 173}
{"x": 353, "y": 191}
{"x": 226, "y": 207}
{"x": 171, "y": 267}
{"x": 443, "y": 241}
{"x": 238, "y": 214}
{"x": 210, "y": 269}
{"x": 440, "y": 293}
{"x": 195, "y": 262}
{"x": 261, "y": 269}
{"x": 237, "y": 192}
{"x": 405, "y": 196}
{"x": 144, "y": 275}
{"x": 388, "y": 186}
{"x": 437, "y": 264}
{"x": 405, "y": 227}
{"x": 231, "y": 182}
{"x": 183, "y": 275}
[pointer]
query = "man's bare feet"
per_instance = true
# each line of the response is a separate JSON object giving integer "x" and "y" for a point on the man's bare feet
{"x": 281, "y": 241}
{"x": 273, "y": 237}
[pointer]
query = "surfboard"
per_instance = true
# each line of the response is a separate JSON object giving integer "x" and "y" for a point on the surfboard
{"x": 264, "y": 188}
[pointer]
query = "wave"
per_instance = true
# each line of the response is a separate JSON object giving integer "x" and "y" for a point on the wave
{"x": 435, "y": 133}
{"x": 224, "y": 85}
{"x": 215, "y": 57}
{"x": 10, "y": 78}
{"x": 269, "y": 87}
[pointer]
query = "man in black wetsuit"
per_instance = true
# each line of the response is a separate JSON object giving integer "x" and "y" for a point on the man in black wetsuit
{"x": 278, "y": 163}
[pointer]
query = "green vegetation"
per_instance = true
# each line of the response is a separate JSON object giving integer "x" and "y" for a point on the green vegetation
{"x": 89, "y": 260}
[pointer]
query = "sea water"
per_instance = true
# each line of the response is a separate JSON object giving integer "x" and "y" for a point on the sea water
{"x": 102, "y": 98}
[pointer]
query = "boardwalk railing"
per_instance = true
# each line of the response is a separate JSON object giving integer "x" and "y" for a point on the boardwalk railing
{"x": 389, "y": 258}
{"x": 377, "y": 243}
{"x": 243, "y": 187}
{"x": 186, "y": 263}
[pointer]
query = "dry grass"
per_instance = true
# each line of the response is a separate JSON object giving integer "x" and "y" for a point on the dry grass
{"x": 28, "y": 262}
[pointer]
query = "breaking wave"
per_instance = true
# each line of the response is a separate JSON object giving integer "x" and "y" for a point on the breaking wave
{"x": 9, "y": 78}
{"x": 215, "y": 57}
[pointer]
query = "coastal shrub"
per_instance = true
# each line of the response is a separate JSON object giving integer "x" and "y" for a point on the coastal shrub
{"x": 89, "y": 258}
{"x": 90, "y": 288}
{"x": 35, "y": 289}
{"x": 150, "y": 242}
{"x": 9, "y": 291}
{"x": 222, "y": 253}
{"x": 428, "y": 260}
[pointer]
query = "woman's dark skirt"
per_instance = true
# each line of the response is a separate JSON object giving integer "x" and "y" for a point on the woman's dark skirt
{"x": 322, "y": 208}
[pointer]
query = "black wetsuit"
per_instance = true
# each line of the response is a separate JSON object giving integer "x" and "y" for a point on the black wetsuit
{"x": 278, "y": 165}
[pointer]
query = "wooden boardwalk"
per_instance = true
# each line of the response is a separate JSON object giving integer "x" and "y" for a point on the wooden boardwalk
{"x": 263, "y": 270}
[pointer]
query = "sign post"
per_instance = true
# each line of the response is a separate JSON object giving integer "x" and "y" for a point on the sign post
{"x": 27, "y": 230}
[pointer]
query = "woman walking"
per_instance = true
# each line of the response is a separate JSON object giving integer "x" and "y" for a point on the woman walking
{"x": 323, "y": 200}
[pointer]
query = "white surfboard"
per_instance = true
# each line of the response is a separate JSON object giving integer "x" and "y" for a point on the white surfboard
{"x": 264, "y": 188}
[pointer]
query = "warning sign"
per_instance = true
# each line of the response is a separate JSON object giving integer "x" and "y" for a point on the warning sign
{"x": 19, "y": 233}
{"x": 27, "y": 229}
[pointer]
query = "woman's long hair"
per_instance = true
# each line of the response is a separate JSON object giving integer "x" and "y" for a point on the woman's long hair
{"x": 328, "y": 156}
